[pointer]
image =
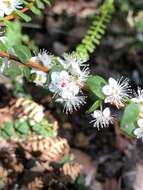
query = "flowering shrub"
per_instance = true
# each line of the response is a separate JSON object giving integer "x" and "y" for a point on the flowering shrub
{"x": 66, "y": 78}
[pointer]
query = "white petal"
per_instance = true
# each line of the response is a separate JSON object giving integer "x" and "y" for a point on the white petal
{"x": 66, "y": 95}
{"x": 109, "y": 99}
{"x": 8, "y": 11}
{"x": 96, "y": 113}
{"x": 1, "y": 13}
{"x": 138, "y": 132}
{"x": 73, "y": 88}
{"x": 53, "y": 87}
{"x": 107, "y": 90}
{"x": 45, "y": 59}
{"x": 60, "y": 100}
{"x": 140, "y": 122}
{"x": 113, "y": 82}
{"x": 55, "y": 76}
{"x": 106, "y": 112}
{"x": 61, "y": 61}
{"x": 34, "y": 58}
{"x": 141, "y": 107}
{"x": 64, "y": 75}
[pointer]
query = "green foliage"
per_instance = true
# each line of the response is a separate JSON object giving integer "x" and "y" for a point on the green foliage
{"x": 130, "y": 116}
{"x": 26, "y": 128}
{"x": 95, "y": 84}
{"x": 96, "y": 30}
{"x": 10, "y": 39}
{"x": 25, "y": 17}
{"x": 36, "y": 8}
{"x": 96, "y": 105}
{"x": 22, "y": 52}
{"x": 26, "y": 73}
{"x": 80, "y": 183}
{"x": 66, "y": 159}
{"x": 12, "y": 70}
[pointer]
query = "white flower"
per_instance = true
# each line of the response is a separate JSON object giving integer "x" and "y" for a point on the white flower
{"x": 140, "y": 122}
{"x": 59, "y": 81}
{"x": 8, "y": 6}
{"x": 138, "y": 96}
{"x": 116, "y": 91}
{"x": 102, "y": 119}
{"x": 76, "y": 67}
{"x": 139, "y": 100}
{"x": 63, "y": 86}
{"x": 70, "y": 99}
{"x": 40, "y": 78}
{"x": 71, "y": 102}
{"x": 43, "y": 58}
{"x": 138, "y": 132}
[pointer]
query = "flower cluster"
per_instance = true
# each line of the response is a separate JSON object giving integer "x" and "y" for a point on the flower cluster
{"x": 66, "y": 84}
{"x": 9, "y": 6}
{"x": 115, "y": 93}
{"x": 68, "y": 76}
{"x": 67, "y": 90}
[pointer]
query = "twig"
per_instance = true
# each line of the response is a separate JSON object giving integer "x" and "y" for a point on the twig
{"x": 25, "y": 9}
{"x": 30, "y": 63}
{"x": 35, "y": 65}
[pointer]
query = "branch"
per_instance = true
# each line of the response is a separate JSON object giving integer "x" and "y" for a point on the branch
{"x": 31, "y": 64}
{"x": 35, "y": 65}
{"x": 25, "y": 9}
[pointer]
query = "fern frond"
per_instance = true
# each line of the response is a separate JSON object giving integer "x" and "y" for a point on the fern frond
{"x": 96, "y": 31}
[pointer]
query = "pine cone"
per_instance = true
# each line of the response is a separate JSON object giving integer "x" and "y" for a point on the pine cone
{"x": 72, "y": 169}
{"x": 48, "y": 149}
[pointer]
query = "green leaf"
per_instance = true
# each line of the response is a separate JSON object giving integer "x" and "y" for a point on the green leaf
{"x": 13, "y": 34}
{"x": 95, "y": 84}
{"x": 129, "y": 118}
{"x": 22, "y": 127}
{"x": 42, "y": 130}
{"x": 4, "y": 135}
{"x": 8, "y": 129}
{"x": 39, "y": 4}
{"x": 23, "y": 53}
{"x": 81, "y": 180}
{"x": 94, "y": 106}
{"x": 23, "y": 16}
{"x": 26, "y": 72}
{"x": 66, "y": 159}
{"x": 35, "y": 10}
{"x": 3, "y": 46}
{"x": 12, "y": 71}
